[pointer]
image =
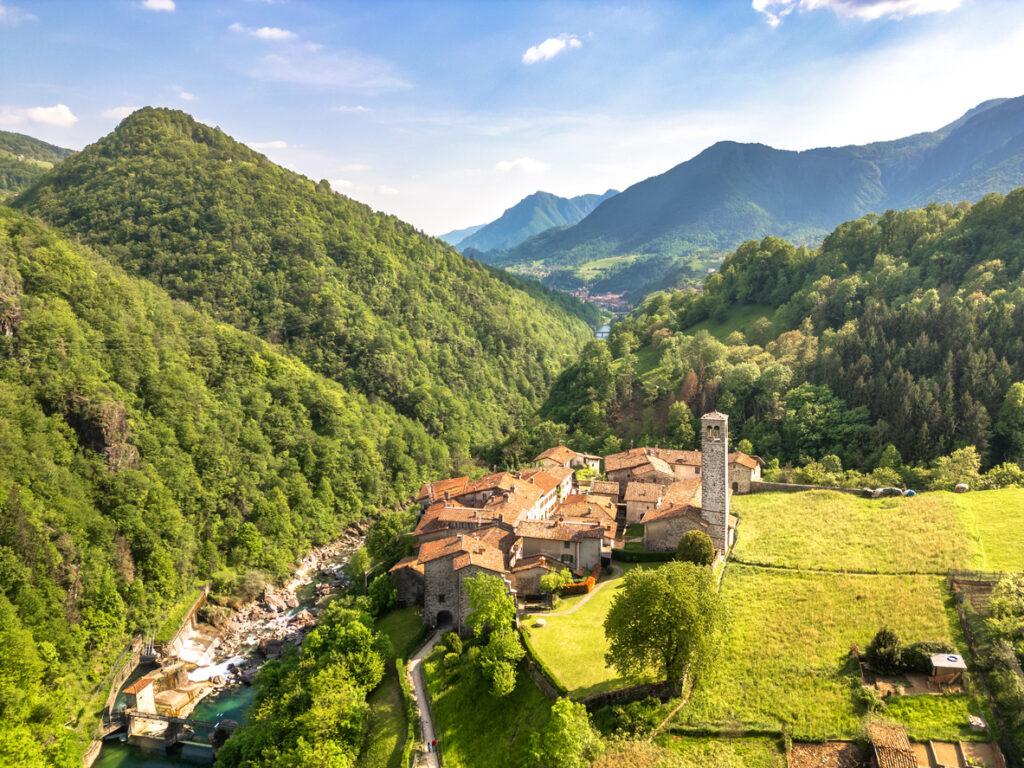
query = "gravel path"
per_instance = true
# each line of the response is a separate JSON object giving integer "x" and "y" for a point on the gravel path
{"x": 419, "y": 687}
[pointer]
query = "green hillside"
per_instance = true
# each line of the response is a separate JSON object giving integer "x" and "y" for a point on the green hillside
{"x": 732, "y": 192}
{"x": 147, "y": 448}
{"x": 360, "y": 296}
{"x": 901, "y": 329}
{"x": 23, "y": 160}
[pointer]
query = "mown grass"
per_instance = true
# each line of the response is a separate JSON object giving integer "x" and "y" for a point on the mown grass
{"x": 573, "y": 645}
{"x": 784, "y": 659}
{"x": 753, "y": 752}
{"x": 475, "y": 729}
{"x": 996, "y": 518}
{"x": 401, "y": 626}
{"x": 838, "y": 531}
{"x": 939, "y": 718}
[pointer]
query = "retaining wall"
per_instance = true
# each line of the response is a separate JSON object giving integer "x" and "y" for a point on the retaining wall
{"x": 757, "y": 486}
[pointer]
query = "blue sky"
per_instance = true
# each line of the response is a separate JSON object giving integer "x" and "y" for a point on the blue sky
{"x": 446, "y": 113}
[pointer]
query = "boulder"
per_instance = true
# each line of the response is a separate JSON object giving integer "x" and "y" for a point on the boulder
{"x": 270, "y": 647}
{"x": 961, "y": 488}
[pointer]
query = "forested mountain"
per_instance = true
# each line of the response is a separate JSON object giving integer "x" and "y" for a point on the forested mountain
{"x": 731, "y": 192}
{"x": 146, "y": 447}
{"x": 903, "y": 329}
{"x": 361, "y": 297}
{"x": 23, "y": 160}
{"x": 530, "y": 216}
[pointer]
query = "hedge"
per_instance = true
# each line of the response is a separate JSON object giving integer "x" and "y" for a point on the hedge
{"x": 627, "y": 556}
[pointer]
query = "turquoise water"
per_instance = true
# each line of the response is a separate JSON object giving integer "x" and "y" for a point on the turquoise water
{"x": 234, "y": 704}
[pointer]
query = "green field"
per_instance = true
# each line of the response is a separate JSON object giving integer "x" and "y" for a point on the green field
{"x": 785, "y": 658}
{"x": 573, "y": 645}
{"x": 474, "y": 728}
{"x": 928, "y": 533}
{"x": 727, "y": 753}
{"x": 740, "y": 319}
{"x": 939, "y": 718}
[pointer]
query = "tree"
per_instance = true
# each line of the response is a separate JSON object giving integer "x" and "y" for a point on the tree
{"x": 1009, "y": 427}
{"x": 490, "y": 604}
{"x": 679, "y": 432}
{"x": 885, "y": 653}
{"x": 663, "y": 620}
{"x": 384, "y": 538}
{"x": 960, "y": 466}
{"x": 695, "y": 547}
{"x": 568, "y": 740}
{"x": 383, "y": 594}
{"x": 356, "y": 569}
{"x": 554, "y": 580}
{"x": 499, "y": 658}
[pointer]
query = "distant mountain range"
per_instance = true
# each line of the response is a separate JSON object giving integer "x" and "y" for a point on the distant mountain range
{"x": 24, "y": 159}
{"x": 733, "y": 192}
{"x": 532, "y": 215}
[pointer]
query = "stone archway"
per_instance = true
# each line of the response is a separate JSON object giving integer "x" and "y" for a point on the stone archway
{"x": 444, "y": 619}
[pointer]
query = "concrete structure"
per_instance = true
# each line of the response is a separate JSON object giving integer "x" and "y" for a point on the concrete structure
{"x": 715, "y": 491}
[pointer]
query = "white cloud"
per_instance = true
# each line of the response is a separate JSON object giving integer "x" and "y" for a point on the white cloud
{"x": 522, "y": 164}
{"x": 868, "y": 10}
{"x": 59, "y": 115}
{"x": 552, "y": 47}
{"x": 357, "y": 167}
{"x": 384, "y": 189}
{"x": 356, "y": 108}
{"x": 186, "y": 96}
{"x": 264, "y": 33}
{"x": 276, "y": 144}
{"x": 342, "y": 184}
{"x": 158, "y": 5}
{"x": 11, "y": 15}
{"x": 117, "y": 113}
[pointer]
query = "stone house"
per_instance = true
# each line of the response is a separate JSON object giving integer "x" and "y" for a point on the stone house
{"x": 561, "y": 456}
{"x": 447, "y": 563}
{"x": 555, "y": 484}
{"x": 605, "y": 488}
{"x": 578, "y": 545}
{"x": 744, "y": 470}
{"x": 407, "y": 575}
{"x": 641, "y": 498}
{"x": 637, "y": 464}
{"x": 527, "y": 573}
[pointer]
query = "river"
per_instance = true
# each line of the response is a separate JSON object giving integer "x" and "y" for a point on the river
{"x": 233, "y": 702}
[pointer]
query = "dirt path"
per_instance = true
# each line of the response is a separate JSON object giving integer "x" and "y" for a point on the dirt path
{"x": 419, "y": 688}
{"x": 616, "y": 572}
{"x": 672, "y": 714}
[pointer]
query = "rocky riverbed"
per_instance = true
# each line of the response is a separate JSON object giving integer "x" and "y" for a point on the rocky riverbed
{"x": 232, "y": 652}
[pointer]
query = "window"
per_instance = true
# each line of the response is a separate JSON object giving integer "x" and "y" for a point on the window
{"x": 440, "y": 598}
{"x": 697, "y": 470}
{"x": 565, "y": 545}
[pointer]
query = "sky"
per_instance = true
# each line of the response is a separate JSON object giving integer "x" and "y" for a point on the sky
{"x": 446, "y": 113}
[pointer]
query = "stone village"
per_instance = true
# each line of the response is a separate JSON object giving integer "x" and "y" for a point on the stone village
{"x": 520, "y": 526}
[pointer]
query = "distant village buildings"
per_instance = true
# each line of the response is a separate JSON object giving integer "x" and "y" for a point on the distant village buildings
{"x": 519, "y": 526}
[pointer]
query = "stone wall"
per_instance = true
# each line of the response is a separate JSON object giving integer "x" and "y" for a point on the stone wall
{"x": 664, "y": 535}
{"x": 439, "y": 580}
{"x": 663, "y": 691}
{"x": 409, "y": 585}
{"x": 760, "y": 486}
{"x": 635, "y": 510}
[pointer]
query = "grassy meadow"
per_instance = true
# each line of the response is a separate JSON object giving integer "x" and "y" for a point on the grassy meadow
{"x": 785, "y": 656}
{"x": 928, "y": 533}
{"x": 573, "y": 645}
{"x": 757, "y": 752}
{"x": 474, "y": 728}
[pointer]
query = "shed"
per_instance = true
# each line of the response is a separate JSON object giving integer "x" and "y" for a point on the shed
{"x": 948, "y": 667}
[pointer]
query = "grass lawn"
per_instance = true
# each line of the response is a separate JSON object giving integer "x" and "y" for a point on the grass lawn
{"x": 925, "y": 533}
{"x": 939, "y": 718}
{"x": 401, "y": 626}
{"x": 474, "y": 728}
{"x": 573, "y": 646}
{"x": 754, "y": 752}
{"x": 386, "y": 731}
{"x": 740, "y": 319}
{"x": 997, "y": 519}
{"x": 785, "y": 656}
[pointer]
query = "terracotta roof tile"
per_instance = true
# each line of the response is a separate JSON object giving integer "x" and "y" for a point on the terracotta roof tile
{"x": 747, "y": 461}
{"x": 666, "y": 512}
{"x": 559, "y": 454}
{"x": 560, "y": 530}
{"x": 634, "y": 457}
{"x": 605, "y": 488}
{"x": 542, "y": 478}
{"x": 648, "y": 492}
{"x": 892, "y": 747}
{"x": 453, "y": 486}
{"x": 413, "y": 562}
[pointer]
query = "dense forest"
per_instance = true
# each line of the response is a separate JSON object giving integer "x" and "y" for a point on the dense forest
{"x": 146, "y": 447}
{"x": 359, "y": 296}
{"x": 23, "y": 160}
{"x": 904, "y": 329}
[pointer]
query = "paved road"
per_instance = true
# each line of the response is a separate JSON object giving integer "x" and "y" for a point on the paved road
{"x": 419, "y": 688}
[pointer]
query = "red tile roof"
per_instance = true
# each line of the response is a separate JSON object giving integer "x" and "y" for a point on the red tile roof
{"x": 604, "y": 488}
{"x": 648, "y": 492}
{"x": 634, "y": 457}
{"x": 559, "y": 454}
{"x": 453, "y": 486}
{"x": 560, "y": 530}
{"x": 413, "y": 562}
{"x": 745, "y": 460}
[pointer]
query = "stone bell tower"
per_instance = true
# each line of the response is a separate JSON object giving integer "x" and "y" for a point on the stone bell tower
{"x": 714, "y": 473}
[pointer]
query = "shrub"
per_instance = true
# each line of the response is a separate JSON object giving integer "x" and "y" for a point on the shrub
{"x": 885, "y": 654}
{"x": 453, "y": 643}
{"x": 451, "y": 660}
{"x": 867, "y": 699}
{"x": 636, "y": 719}
{"x": 695, "y": 547}
{"x": 630, "y": 556}
{"x": 918, "y": 656}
